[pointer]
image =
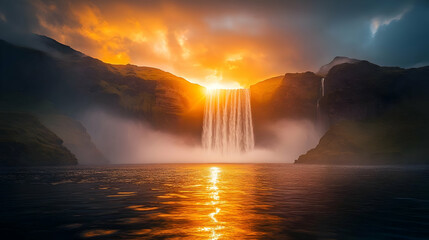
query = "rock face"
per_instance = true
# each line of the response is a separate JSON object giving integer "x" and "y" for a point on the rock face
{"x": 364, "y": 90}
{"x": 24, "y": 141}
{"x": 371, "y": 142}
{"x": 292, "y": 96}
{"x": 378, "y": 115}
{"x": 323, "y": 71}
{"x": 72, "y": 132}
{"x": 165, "y": 100}
{"x": 70, "y": 84}
{"x": 75, "y": 83}
{"x": 359, "y": 91}
{"x": 75, "y": 138}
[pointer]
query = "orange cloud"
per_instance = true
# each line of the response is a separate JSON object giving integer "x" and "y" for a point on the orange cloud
{"x": 203, "y": 47}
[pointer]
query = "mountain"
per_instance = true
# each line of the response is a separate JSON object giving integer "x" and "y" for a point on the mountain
{"x": 55, "y": 48}
{"x": 378, "y": 115}
{"x": 75, "y": 138}
{"x": 71, "y": 132}
{"x": 59, "y": 85}
{"x": 292, "y": 96}
{"x": 76, "y": 83}
{"x": 323, "y": 71}
{"x": 24, "y": 141}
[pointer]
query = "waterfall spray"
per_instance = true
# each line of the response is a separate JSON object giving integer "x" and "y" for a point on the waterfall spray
{"x": 227, "y": 126}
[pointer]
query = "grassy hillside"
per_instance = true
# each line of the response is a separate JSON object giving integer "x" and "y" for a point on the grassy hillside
{"x": 75, "y": 138}
{"x": 379, "y": 115}
{"x": 293, "y": 95}
{"x": 24, "y": 141}
{"x": 71, "y": 131}
{"x": 76, "y": 83}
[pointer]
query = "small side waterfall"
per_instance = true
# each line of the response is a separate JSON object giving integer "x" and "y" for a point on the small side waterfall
{"x": 322, "y": 94}
{"x": 322, "y": 86}
{"x": 227, "y": 126}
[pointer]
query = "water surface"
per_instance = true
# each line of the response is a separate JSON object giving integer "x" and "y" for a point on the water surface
{"x": 215, "y": 201}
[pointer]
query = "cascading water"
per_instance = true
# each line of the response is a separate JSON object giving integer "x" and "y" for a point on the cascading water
{"x": 322, "y": 86}
{"x": 227, "y": 126}
{"x": 322, "y": 94}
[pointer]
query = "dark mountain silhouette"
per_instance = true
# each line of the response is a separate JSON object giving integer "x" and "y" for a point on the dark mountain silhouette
{"x": 24, "y": 141}
{"x": 53, "y": 47}
{"x": 378, "y": 115}
{"x": 76, "y": 82}
{"x": 323, "y": 71}
{"x": 292, "y": 96}
{"x": 72, "y": 83}
{"x": 75, "y": 138}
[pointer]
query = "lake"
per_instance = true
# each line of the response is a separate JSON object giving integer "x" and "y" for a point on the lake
{"x": 215, "y": 201}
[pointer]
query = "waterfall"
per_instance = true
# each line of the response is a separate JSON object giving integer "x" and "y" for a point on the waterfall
{"x": 227, "y": 126}
{"x": 322, "y": 94}
{"x": 322, "y": 86}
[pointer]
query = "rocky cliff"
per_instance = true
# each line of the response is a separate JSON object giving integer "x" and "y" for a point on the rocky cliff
{"x": 378, "y": 115}
{"x": 75, "y": 82}
{"x": 24, "y": 141}
{"x": 74, "y": 137}
{"x": 69, "y": 83}
{"x": 292, "y": 96}
{"x": 375, "y": 113}
{"x": 71, "y": 131}
{"x": 323, "y": 71}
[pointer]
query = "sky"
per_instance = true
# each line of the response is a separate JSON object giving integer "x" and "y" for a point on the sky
{"x": 229, "y": 43}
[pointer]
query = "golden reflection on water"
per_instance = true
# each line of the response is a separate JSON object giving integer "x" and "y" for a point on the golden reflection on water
{"x": 214, "y": 195}
{"x": 206, "y": 202}
{"x": 201, "y": 201}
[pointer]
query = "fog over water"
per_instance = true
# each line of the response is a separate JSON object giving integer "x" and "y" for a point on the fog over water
{"x": 124, "y": 140}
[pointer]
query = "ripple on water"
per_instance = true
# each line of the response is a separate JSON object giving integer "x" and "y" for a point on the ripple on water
{"x": 98, "y": 233}
{"x": 255, "y": 201}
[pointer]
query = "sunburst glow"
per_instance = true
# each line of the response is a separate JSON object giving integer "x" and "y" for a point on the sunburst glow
{"x": 231, "y": 85}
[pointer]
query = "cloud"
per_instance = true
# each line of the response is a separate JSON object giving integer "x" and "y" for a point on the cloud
{"x": 229, "y": 43}
{"x": 378, "y": 22}
{"x": 402, "y": 42}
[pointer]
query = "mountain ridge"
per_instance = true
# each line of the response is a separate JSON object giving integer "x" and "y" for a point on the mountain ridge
{"x": 158, "y": 96}
{"x": 356, "y": 91}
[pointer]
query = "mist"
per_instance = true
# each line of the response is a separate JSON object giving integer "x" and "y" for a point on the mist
{"x": 128, "y": 141}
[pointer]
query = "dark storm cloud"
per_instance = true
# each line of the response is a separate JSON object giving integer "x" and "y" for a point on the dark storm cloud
{"x": 240, "y": 41}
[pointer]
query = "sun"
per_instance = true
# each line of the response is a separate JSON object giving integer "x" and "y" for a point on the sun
{"x": 214, "y": 86}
